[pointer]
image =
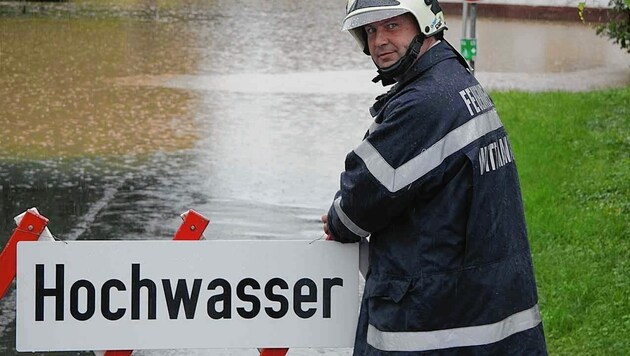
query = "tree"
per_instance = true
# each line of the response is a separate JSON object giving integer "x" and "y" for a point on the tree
{"x": 618, "y": 26}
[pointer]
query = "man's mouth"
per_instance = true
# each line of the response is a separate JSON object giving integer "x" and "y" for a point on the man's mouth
{"x": 384, "y": 54}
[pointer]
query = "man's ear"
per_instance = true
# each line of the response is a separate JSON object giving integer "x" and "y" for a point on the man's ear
{"x": 366, "y": 49}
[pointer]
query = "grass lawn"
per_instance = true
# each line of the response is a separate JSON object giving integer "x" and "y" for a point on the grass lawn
{"x": 573, "y": 155}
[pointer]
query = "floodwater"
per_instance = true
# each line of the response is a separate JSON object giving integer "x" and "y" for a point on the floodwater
{"x": 117, "y": 116}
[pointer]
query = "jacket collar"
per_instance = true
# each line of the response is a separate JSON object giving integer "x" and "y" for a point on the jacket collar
{"x": 438, "y": 53}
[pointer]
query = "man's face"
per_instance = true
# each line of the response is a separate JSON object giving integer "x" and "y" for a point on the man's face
{"x": 389, "y": 39}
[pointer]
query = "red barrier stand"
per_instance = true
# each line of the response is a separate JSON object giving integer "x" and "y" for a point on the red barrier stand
{"x": 119, "y": 353}
{"x": 273, "y": 352}
{"x": 29, "y": 229}
{"x": 192, "y": 228}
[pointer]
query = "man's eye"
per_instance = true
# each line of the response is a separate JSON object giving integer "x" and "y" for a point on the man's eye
{"x": 392, "y": 25}
{"x": 370, "y": 30}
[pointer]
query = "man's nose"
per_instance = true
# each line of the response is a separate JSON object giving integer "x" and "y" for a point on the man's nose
{"x": 381, "y": 38}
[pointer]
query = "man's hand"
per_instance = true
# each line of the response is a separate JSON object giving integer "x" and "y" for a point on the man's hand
{"x": 329, "y": 236}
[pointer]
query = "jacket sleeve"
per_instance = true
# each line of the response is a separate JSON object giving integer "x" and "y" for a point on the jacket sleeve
{"x": 382, "y": 175}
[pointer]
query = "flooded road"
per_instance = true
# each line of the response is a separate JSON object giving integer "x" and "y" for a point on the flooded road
{"x": 116, "y": 121}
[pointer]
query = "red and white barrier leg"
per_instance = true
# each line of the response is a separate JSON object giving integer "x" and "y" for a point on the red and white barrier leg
{"x": 192, "y": 228}
{"x": 31, "y": 226}
{"x": 273, "y": 352}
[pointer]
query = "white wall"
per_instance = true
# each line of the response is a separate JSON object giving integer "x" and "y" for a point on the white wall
{"x": 563, "y": 3}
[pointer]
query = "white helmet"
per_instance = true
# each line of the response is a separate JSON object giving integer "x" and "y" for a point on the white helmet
{"x": 359, "y": 13}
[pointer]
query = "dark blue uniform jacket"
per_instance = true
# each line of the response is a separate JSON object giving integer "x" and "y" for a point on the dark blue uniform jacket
{"x": 434, "y": 187}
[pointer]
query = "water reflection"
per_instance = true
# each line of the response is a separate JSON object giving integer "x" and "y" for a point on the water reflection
{"x": 57, "y": 100}
{"x": 118, "y": 116}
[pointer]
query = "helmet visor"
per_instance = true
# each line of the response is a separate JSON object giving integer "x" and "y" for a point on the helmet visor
{"x": 363, "y": 18}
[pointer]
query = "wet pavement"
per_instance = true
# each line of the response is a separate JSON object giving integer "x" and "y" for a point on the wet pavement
{"x": 117, "y": 118}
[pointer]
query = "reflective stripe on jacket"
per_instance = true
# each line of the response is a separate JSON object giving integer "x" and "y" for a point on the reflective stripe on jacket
{"x": 434, "y": 186}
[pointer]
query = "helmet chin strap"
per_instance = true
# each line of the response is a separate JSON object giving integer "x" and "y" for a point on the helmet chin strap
{"x": 387, "y": 75}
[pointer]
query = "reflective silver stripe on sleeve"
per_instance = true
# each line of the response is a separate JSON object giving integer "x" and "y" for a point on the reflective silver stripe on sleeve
{"x": 457, "y": 337}
{"x": 396, "y": 179}
{"x": 349, "y": 224}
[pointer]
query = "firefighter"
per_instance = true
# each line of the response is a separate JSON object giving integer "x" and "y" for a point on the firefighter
{"x": 434, "y": 187}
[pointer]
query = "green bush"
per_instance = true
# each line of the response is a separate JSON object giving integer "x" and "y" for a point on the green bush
{"x": 618, "y": 28}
